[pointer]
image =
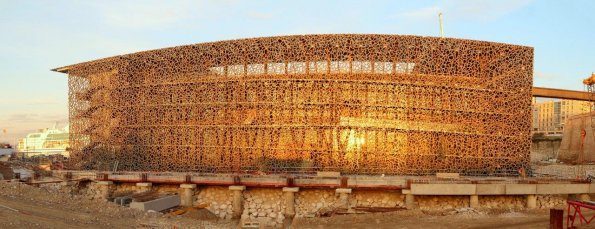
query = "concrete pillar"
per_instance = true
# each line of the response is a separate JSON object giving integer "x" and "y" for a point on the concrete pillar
{"x": 474, "y": 201}
{"x": 187, "y": 197}
{"x": 144, "y": 187}
{"x": 289, "y": 194}
{"x": 105, "y": 188}
{"x": 409, "y": 199}
{"x": 343, "y": 197}
{"x": 531, "y": 201}
{"x": 583, "y": 197}
{"x": 237, "y": 204}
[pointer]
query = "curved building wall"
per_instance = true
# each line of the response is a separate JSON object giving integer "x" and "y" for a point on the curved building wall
{"x": 352, "y": 103}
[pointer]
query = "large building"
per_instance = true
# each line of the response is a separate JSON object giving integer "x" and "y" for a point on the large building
{"x": 552, "y": 115}
{"x": 351, "y": 103}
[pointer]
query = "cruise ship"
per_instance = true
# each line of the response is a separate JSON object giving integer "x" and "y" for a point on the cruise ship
{"x": 48, "y": 141}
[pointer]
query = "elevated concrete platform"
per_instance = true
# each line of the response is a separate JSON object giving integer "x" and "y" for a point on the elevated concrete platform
{"x": 426, "y": 185}
{"x": 501, "y": 189}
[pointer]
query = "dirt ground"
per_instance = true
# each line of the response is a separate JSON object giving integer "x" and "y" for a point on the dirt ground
{"x": 25, "y": 206}
{"x": 477, "y": 219}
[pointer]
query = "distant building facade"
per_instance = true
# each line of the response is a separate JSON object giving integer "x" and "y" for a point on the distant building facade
{"x": 47, "y": 141}
{"x": 549, "y": 117}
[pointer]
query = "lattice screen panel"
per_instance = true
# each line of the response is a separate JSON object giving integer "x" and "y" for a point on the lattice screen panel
{"x": 352, "y": 103}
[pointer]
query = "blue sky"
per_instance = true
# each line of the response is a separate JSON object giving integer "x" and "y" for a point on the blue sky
{"x": 39, "y": 35}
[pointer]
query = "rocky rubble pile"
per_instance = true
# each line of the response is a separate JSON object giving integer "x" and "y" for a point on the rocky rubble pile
{"x": 441, "y": 202}
{"x": 377, "y": 199}
{"x": 507, "y": 202}
{"x": 551, "y": 201}
{"x": 265, "y": 206}
{"x": 309, "y": 201}
{"x": 217, "y": 199}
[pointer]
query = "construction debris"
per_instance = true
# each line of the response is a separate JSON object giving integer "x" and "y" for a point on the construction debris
{"x": 158, "y": 205}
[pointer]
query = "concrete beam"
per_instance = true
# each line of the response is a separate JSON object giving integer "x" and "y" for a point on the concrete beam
{"x": 318, "y": 182}
{"x": 191, "y": 186}
{"x": 562, "y": 188}
{"x": 264, "y": 181}
{"x": 212, "y": 180}
{"x": 491, "y": 189}
{"x": 187, "y": 198}
{"x": 343, "y": 190}
{"x": 521, "y": 189}
{"x": 328, "y": 174}
{"x": 474, "y": 201}
{"x": 560, "y": 94}
{"x": 157, "y": 205}
{"x": 531, "y": 201}
{"x": 443, "y": 189}
{"x": 592, "y": 188}
{"x": 409, "y": 201}
{"x": 375, "y": 181}
{"x": 237, "y": 188}
{"x": 291, "y": 189}
{"x": 237, "y": 204}
{"x": 289, "y": 194}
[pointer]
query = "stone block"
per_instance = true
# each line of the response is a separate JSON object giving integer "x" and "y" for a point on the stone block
{"x": 410, "y": 201}
{"x": 328, "y": 174}
{"x": 562, "y": 188}
{"x": 405, "y": 191}
{"x": 159, "y": 204}
{"x": 190, "y": 186}
{"x": 237, "y": 188}
{"x": 443, "y": 189}
{"x": 291, "y": 189}
{"x": 531, "y": 201}
{"x": 491, "y": 189}
{"x": 105, "y": 182}
{"x": 144, "y": 184}
{"x": 343, "y": 190}
{"x": 473, "y": 201}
